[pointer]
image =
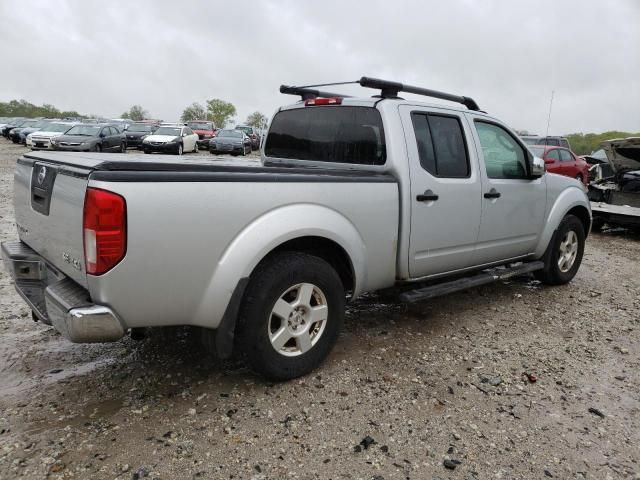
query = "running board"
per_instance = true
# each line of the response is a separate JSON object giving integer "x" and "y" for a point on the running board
{"x": 487, "y": 276}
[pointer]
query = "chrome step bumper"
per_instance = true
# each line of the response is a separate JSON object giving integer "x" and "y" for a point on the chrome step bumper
{"x": 57, "y": 300}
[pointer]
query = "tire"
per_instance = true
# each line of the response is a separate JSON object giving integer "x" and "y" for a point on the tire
{"x": 300, "y": 344}
{"x": 180, "y": 150}
{"x": 97, "y": 148}
{"x": 564, "y": 253}
{"x": 195, "y": 148}
{"x": 579, "y": 178}
{"x": 147, "y": 152}
{"x": 123, "y": 148}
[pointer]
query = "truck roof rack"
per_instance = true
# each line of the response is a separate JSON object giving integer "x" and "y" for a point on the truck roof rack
{"x": 388, "y": 89}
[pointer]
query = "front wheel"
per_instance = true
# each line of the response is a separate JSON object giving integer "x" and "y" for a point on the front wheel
{"x": 180, "y": 149}
{"x": 564, "y": 253}
{"x": 290, "y": 316}
{"x": 195, "y": 148}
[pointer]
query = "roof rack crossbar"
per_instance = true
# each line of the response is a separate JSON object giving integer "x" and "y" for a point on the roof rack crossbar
{"x": 309, "y": 93}
{"x": 387, "y": 89}
{"x": 391, "y": 89}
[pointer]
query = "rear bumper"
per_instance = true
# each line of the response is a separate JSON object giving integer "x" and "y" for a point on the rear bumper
{"x": 57, "y": 300}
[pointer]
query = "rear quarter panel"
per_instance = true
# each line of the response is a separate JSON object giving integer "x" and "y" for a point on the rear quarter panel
{"x": 188, "y": 244}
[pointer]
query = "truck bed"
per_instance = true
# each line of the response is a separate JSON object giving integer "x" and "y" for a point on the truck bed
{"x": 142, "y": 167}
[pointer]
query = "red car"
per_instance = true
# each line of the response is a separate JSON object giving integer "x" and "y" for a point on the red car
{"x": 562, "y": 161}
{"x": 205, "y": 129}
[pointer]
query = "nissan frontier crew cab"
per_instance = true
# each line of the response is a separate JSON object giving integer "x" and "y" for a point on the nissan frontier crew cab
{"x": 351, "y": 195}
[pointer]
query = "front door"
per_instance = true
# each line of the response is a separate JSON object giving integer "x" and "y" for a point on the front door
{"x": 513, "y": 204}
{"x": 445, "y": 190}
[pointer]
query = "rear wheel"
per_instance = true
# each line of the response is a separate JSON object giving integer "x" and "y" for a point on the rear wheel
{"x": 564, "y": 253}
{"x": 147, "y": 151}
{"x": 97, "y": 148}
{"x": 123, "y": 147}
{"x": 195, "y": 148}
{"x": 290, "y": 316}
{"x": 180, "y": 149}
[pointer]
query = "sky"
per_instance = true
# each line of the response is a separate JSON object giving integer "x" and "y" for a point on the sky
{"x": 509, "y": 55}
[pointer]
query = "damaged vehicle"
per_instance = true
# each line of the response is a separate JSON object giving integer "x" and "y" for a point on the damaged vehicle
{"x": 615, "y": 189}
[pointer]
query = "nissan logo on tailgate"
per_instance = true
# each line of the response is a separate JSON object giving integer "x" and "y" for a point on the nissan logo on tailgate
{"x": 42, "y": 174}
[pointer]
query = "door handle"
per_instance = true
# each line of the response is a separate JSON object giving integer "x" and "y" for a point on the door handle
{"x": 427, "y": 196}
{"x": 493, "y": 193}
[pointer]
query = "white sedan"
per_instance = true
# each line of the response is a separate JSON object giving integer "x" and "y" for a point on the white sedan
{"x": 171, "y": 138}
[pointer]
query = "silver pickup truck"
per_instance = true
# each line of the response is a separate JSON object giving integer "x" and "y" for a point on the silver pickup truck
{"x": 351, "y": 195}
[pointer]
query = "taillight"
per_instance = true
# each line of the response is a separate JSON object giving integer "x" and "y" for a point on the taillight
{"x": 324, "y": 101}
{"x": 105, "y": 230}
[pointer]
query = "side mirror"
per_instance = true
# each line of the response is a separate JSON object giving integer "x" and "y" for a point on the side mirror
{"x": 102, "y": 135}
{"x": 537, "y": 167}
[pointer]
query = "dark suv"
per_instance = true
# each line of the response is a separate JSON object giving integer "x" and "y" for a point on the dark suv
{"x": 89, "y": 137}
{"x": 136, "y": 133}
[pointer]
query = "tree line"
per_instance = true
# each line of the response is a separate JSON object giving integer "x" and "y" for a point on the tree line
{"x": 585, "y": 143}
{"x": 22, "y": 108}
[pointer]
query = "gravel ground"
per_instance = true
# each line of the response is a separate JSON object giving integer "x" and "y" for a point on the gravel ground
{"x": 509, "y": 381}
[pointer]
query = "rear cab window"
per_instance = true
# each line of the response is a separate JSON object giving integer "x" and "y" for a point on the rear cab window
{"x": 334, "y": 134}
{"x": 442, "y": 148}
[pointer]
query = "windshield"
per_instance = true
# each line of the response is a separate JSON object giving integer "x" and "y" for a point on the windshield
{"x": 84, "y": 130}
{"x": 247, "y": 130}
{"x": 200, "y": 126}
{"x": 140, "y": 128}
{"x": 168, "y": 131}
{"x": 57, "y": 127}
{"x": 537, "y": 151}
{"x": 230, "y": 133}
{"x": 30, "y": 123}
{"x": 531, "y": 140}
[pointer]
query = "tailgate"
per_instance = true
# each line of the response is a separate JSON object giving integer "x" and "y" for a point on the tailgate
{"x": 49, "y": 203}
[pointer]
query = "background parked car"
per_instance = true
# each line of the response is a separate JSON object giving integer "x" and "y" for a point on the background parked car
{"x": 88, "y": 137}
{"x": 20, "y": 134}
{"x": 551, "y": 141}
{"x": 172, "y": 139}
{"x": 14, "y": 133}
{"x": 235, "y": 142}
{"x": 41, "y": 139}
{"x": 14, "y": 123}
{"x": 136, "y": 132}
{"x": 205, "y": 130}
{"x": 253, "y": 135}
{"x": 562, "y": 161}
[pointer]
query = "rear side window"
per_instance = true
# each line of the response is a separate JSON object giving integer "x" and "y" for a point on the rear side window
{"x": 338, "y": 134}
{"x": 441, "y": 145}
{"x": 564, "y": 143}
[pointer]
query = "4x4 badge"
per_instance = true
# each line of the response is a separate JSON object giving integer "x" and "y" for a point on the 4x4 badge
{"x": 42, "y": 174}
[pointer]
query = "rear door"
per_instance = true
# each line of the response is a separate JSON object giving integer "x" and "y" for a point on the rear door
{"x": 445, "y": 190}
{"x": 513, "y": 204}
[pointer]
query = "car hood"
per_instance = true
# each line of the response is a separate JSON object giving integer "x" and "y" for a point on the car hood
{"x": 75, "y": 138}
{"x": 44, "y": 133}
{"x": 623, "y": 153}
{"x": 160, "y": 138}
{"x": 29, "y": 130}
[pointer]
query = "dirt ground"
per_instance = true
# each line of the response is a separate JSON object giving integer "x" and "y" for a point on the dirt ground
{"x": 511, "y": 381}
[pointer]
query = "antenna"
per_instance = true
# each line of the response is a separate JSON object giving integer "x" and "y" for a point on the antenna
{"x": 549, "y": 118}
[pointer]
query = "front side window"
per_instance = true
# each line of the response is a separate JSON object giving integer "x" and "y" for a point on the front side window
{"x": 504, "y": 157}
{"x": 565, "y": 156}
{"x": 441, "y": 146}
{"x": 336, "y": 134}
{"x": 554, "y": 155}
